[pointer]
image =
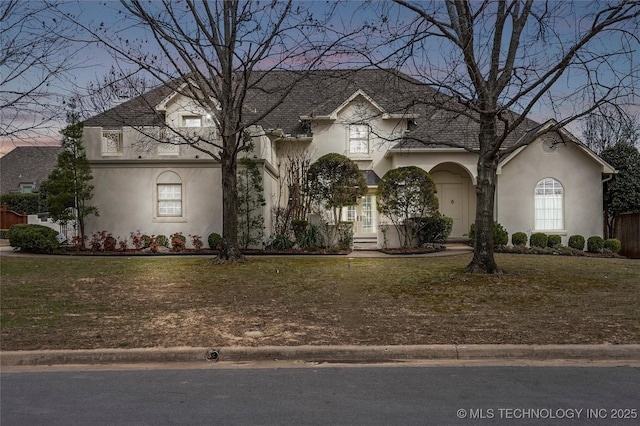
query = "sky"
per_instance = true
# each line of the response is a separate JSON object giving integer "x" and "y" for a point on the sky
{"x": 92, "y": 62}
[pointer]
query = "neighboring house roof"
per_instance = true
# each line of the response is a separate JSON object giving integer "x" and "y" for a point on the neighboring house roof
{"x": 27, "y": 165}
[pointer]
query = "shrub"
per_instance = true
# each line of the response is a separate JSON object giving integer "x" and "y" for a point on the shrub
{"x": 538, "y": 239}
{"x": 122, "y": 245}
{"x": 613, "y": 245}
{"x": 214, "y": 240}
{"x": 595, "y": 244}
{"x": 23, "y": 203}
{"x": 33, "y": 238}
{"x": 311, "y": 238}
{"x": 500, "y": 235}
{"x": 97, "y": 240}
{"x": 178, "y": 241}
{"x": 110, "y": 243}
{"x": 162, "y": 240}
{"x": 345, "y": 235}
{"x": 554, "y": 241}
{"x": 434, "y": 229}
{"x": 196, "y": 241}
{"x": 4, "y": 234}
{"x": 576, "y": 242}
{"x": 137, "y": 240}
{"x": 280, "y": 242}
{"x": 147, "y": 240}
{"x": 299, "y": 227}
{"x": 519, "y": 239}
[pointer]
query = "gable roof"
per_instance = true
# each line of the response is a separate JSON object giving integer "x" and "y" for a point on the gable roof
{"x": 275, "y": 103}
{"x": 28, "y": 165}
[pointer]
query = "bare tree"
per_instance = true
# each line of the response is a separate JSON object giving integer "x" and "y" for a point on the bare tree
{"x": 217, "y": 53}
{"x": 606, "y": 128}
{"x": 488, "y": 59}
{"x": 35, "y": 59}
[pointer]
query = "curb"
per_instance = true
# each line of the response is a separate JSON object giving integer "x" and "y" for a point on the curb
{"x": 345, "y": 354}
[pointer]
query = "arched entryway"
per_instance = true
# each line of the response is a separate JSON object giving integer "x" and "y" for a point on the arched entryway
{"x": 457, "y": 195}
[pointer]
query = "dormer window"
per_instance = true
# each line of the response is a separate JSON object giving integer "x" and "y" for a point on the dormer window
{"x": 191, "y": 121}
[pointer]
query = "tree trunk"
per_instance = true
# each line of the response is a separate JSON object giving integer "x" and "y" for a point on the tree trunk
{"x": 230, "y": 251}
{"x": 483, "y": 259}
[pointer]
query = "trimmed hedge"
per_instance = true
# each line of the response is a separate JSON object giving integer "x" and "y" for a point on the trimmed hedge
{"x": 500, "y": 235}
{"x": 519, "y": 239}
{"x": 554, "y": 241}
{"x": 434, "y": 229}
{"x": 595, "y": 244}
{"x": 576, "y": 242}
{"x": 23, "y": 203}
{"x": 34, "y": 238}
{"x": 214, "y": 240}
{"x": 613, "y": 245}
{"x": 538, "y": 239}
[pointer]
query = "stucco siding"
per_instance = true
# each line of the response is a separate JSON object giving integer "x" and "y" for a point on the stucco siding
{"x": 579, "y": 175}
{"x": 126, "y": 198}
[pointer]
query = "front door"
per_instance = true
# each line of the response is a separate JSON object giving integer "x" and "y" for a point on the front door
{"x": 363, "y": 217}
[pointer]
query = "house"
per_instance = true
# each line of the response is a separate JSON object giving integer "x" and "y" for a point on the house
{"x": 24, "y": 168}
{"x": 552, "y": 185}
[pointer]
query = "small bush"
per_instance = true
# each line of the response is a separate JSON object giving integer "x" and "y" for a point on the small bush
{"x": 178, "y": 241}
{"x": 538, "y": 239}
{"x": 98, "y": 239}
{"x": 299, "y": 227}
{"x": 311, "y": 238}
{"x": 500, "y": 235}
{"x": 137, "y": 240}
{"x": 280, "y": 242}
{"x": 214, "y": 240}
{"x": 345, "y": 235}
{"x": 33, "y": 238}
{"x": 554, "y": 241}
{"x": 110, "y": 243}
{"x": 576, "y": 242}
{"x": 147, "y": 240}
{"x": 613, "y": 245}
{"x": 196, "y": 241}
{"x": 519, "y": 239}
{"x": 595, "y": 244}
{"x": 434, "y": 229}
{"x": 162, "y": 240}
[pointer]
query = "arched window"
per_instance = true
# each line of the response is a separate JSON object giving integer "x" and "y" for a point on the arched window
{"x": 169, "y": 195}
{"x": 549, "y": 205}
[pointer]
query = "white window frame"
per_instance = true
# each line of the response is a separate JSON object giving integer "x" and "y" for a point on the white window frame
{"x": 549, "y": 205}
{"x": 169, "y": 199}
{"x": 192, "y": 121}
{"x": 358, "y": 139}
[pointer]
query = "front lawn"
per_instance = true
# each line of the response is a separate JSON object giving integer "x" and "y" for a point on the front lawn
{"x": 107, "y": 302}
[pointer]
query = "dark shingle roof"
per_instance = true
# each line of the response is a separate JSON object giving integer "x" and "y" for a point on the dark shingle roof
{"x": 27, "y": 164}
{"x": 275, "y": 103}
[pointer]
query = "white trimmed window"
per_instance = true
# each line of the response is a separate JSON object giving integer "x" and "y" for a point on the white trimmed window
{"x": 359, "y": 139}
{"x": 169, "y": 199}
{"x": 549, "y": 202}
{"x": 169, "y": 196}
{"x": 192, "y": 121}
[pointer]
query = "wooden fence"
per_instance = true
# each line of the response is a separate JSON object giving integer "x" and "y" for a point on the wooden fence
{"x": 628, "y": 232}
{"x": 8, "y": 218}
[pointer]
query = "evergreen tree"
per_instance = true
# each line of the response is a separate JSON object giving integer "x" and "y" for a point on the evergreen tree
{"x": 250, "y": 203}
{"x": 622, "y": 192}
{"x": 68, "y": 188}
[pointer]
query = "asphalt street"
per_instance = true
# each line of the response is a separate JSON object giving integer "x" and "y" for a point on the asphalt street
{"x": 325, "y": 394}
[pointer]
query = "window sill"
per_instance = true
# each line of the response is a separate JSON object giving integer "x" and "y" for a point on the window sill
{"x": 169, "y": 219}
{"x": 552, "y": 231}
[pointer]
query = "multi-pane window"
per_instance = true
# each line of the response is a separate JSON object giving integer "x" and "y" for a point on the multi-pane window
{"x": 549, "y": 202}
{"x": 359, "y": 139}
{"x": 192, "y": 121}
{"x": 169, "y": 200}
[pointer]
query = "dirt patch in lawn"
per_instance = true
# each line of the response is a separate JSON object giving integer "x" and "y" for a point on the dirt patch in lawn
{"x": 75, "y": 303}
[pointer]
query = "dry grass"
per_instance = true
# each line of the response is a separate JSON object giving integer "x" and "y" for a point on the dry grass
{"x": 77, "y": 303}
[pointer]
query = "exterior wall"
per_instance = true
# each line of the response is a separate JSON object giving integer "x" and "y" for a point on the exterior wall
{"x": 125, "y": 195}
{"x": 579, "y": 175}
